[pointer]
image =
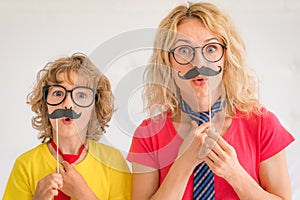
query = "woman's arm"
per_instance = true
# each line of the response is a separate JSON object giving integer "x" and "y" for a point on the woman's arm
{"x": 274, "y": 176}
{"x": 146, "y": 185}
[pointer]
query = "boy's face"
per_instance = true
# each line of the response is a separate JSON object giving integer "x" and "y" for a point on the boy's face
{"x": 68, "y": 127}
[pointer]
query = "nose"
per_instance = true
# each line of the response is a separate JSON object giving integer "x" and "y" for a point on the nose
{"x": 198, "y": 58}
{"x": 68, "y": 102}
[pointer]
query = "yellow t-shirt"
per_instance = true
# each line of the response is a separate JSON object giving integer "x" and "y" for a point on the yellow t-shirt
{"x": 104, "y": 169}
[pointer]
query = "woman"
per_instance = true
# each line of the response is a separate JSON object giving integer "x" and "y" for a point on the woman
{"x": 74, "y": 103}
{"x": 198, "y": 52}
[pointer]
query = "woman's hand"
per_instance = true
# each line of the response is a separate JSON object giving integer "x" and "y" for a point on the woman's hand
{"x": 74, "y": 184}
{"x": 48, "y": 187}
{"x": 223, "y": 161}
{"x": 194, "y": 146}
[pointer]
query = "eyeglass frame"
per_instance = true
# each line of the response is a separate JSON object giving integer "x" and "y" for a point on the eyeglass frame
{"x": 224, "y": 47}
{"x": 45, "y": 93}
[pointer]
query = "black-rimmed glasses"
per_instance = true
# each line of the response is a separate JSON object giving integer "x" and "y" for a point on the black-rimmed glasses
{"x": 82, "y": 96}
{"x": 185, "y": 54}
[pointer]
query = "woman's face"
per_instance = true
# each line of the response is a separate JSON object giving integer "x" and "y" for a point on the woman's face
{"x": 70, "y": 127}
{"x": 193, "y": 33}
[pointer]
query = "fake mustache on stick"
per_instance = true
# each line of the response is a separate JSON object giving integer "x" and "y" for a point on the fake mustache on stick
{"x": 69, "y": 113}
{"x": 205, "y": 71}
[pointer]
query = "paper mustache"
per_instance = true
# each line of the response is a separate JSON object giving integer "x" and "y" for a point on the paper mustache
{"x": 69, "y": 113}
{"x": 205, "y": 71}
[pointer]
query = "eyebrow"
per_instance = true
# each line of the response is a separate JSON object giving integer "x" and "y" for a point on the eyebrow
{"x": 183, "y": 40}
{"x": 190, "y": 42}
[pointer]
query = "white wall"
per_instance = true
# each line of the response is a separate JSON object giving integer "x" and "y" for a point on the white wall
{"x": 34, "y": 32}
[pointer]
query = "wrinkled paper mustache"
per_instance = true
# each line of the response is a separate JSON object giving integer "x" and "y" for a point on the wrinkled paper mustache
{"x": 205, "y": 71}
{"x": 69, "y": 113}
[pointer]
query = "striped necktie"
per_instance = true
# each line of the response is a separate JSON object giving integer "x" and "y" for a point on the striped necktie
{"x": 203, "y": 176}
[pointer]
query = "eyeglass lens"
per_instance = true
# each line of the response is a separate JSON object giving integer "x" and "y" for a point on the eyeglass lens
{"x": 184, "y": 54}
{"x": 81, "y": 96}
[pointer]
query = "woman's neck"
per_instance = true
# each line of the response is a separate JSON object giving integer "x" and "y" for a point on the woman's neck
{"x": 200, "y": 103}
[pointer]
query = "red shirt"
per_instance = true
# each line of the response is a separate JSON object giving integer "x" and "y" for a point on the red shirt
{"x": 255, "y": 139}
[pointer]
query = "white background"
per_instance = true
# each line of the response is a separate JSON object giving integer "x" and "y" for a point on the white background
{"x": 34, "y": 32}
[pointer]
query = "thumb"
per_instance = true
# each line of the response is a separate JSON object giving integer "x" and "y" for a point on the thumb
{"x": 194, "y": 124}
{"x": 66, "y": 165}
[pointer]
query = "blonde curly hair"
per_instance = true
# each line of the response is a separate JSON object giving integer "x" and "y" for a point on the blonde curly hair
{"x": 80, "y": 64}
{"x": 241, "y": 84}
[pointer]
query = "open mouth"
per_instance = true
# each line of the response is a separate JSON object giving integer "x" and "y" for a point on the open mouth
{"x": 200, "y": 81}
{"x": 67, "y": 121}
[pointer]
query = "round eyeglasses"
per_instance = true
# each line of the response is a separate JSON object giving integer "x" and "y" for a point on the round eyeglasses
{"x": 185, "y": 54}
{"x": 82, "y": 96}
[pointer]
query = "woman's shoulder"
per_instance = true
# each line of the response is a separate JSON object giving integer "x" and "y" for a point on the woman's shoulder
{"x": 158, "y": 118}
{"x": 265, "y": 123}
{"x": 263, "y": 114}
{"x": 257, "y": 122}
{"x": 155, "y": 124}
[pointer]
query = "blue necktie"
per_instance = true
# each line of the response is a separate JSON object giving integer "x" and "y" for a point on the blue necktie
{"x": 203, "y": 176}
